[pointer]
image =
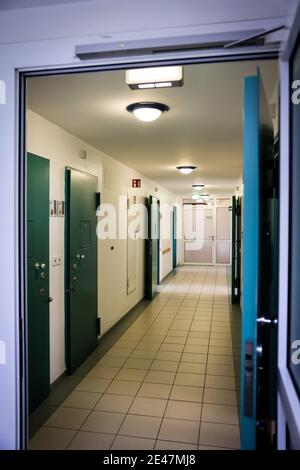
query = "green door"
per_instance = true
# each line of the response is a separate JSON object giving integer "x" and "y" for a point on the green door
{"x": 152, "y": 248}
{"x": 81, "y": 267}
{"x": 38, "y": 279}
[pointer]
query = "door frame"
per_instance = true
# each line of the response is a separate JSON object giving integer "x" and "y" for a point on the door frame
{"x": 288, "y": 408}
{"x": 16, "y": 336}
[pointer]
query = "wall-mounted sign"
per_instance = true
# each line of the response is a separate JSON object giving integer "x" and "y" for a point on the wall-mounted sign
{"x": 57, "y": 208}
{"x": 136, "y": 183}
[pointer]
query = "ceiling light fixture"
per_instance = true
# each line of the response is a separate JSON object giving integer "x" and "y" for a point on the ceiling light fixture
{"x": 195, "y": 196}
{"x": 186, "y": 169}
{"x": 198, "y": 186}
{"x": 154, "y": 77}
{"x": 147, "y": 111}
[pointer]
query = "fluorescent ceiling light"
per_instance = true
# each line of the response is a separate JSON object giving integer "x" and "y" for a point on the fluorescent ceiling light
{"x": 198, "y": 187}
{"x": 147, "y": 111}
{"x": 186, "y": 169}
{"x": 195, "y": 196}
{"x": 158, "y": 77}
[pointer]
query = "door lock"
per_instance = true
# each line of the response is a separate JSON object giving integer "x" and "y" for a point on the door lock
{"x": 43, "y": 275}
{"x": 42, "y": 292}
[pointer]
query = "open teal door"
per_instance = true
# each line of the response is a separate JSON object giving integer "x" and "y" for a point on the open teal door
{"x": 38, "y": 279}
{"x": 258, "y": 161}
{"x": 152, "y": 247}
{"x": 81, "y": 267}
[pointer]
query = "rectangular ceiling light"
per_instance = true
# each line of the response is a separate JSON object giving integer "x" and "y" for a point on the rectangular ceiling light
{"x": 154, "y": 77}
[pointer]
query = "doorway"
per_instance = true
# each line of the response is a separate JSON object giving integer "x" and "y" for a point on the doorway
{"x": 216, "y": 239}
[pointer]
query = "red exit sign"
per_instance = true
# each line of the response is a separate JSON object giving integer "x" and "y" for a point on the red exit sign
{"x": 136, "y": 183}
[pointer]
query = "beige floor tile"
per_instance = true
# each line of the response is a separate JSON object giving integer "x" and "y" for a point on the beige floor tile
{"x": 115, "y": 403}
{"x": 140, "y": 426}
{"x": 67, "y": 418}
{"x": 164, "y": 365}
{"x": 219, "y": 396}
{"x": 192, "y": 357}
{"x": 90, "y": 384}
{"x": 197, "y": 341}
{"x": 104, "y": 422}
{"x": 137, "y": 363}
{"x": 112, "y": 361}
{"x": 160, "y": 377}
{"x": 172, "y": 347}
{"x": 179, "y": 430}
{"x": 143, "y": 354}
{"x": 185, "y": 393}
{"x": 118, "y": 352}
{"x": 154, "y": 390}
{"x": 200, "y": 447}
{"x": 222, "y": 435}
{"x": 135, "y": 375}
{"x": 219, "y": 359}
{"x": 192, "y": 367}
{"x": 132, "y": 443}
{"x": 169, "y": 445}
{"x": 217, "y": 369}
{"x": 148, "y": 406}
{"x": 101, "y": 372}
{"x": 51, "y": 439}
{"x": 173, "y": 332}
{"x": 175, "y": 340}
{"x": 91, "y": 441}
{"x": 227, "y": 351}
{"x": 220, "y": 414}
{"x": 220, "y": 381}
{"x": 183, "y": 410}
{"x": 82, "y": 400}
{"x": 196, "y": 349}
{"x": 195, "y": 380}
{"x": 123, "y": 387}
{"x": 126, "y": 344}
{"x": 148, "y": 346}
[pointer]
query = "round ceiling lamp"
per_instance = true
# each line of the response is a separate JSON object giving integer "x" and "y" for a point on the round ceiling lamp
{"x": 198, "y": 186}
{"x": 147, "y": 111}
{"x": 186, "y": 169}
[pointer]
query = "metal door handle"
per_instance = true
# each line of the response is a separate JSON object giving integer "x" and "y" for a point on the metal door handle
{"x": 43, "y": 266}
{"x": 79, "y": 256}
{"x": 37, "y": 266}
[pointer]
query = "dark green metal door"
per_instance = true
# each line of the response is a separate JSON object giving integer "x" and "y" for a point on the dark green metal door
{"x": 152, "y": 248}
{"x": 38, "y": 279}
{"x": 81, "y": 267}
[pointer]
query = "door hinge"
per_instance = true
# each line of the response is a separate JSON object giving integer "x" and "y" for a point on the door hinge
{"x": 98, "y": 326}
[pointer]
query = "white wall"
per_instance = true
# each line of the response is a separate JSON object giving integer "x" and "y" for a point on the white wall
{"x": 62, "y": 149}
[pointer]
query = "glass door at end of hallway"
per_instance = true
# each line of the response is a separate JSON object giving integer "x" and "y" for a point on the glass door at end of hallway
{"x": 207, "y": 232}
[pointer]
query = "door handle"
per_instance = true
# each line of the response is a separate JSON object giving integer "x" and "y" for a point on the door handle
{"x": 267, "y": 321}
{"x": 79, "y": 256}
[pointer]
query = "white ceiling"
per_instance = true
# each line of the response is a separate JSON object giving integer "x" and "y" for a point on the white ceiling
{"x": 202, "y": 128}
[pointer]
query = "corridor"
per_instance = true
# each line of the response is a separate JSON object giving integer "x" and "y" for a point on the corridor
{"x": 167, "y": 383}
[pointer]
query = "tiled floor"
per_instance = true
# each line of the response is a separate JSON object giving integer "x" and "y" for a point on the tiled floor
{"x": 167, "y": 383}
